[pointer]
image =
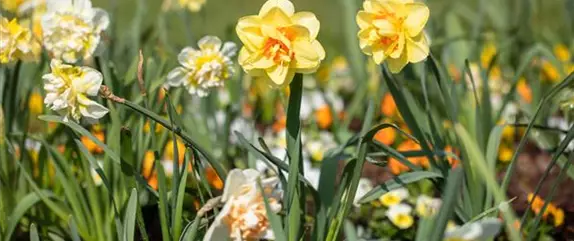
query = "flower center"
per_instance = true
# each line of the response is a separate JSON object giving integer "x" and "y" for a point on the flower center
{"x": 277, "y": 49}
{"x": 248, "y": 219}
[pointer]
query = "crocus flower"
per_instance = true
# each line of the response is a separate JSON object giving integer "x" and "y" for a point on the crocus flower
{"x": 67, "y": 90}
{"x": 279, "y": 43}
{"x": 392, "y": 31}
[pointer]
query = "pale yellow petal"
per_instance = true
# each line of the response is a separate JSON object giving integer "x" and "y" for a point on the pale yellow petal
{"x": 280, "y": 74}
{"x": 309, "y": 21}
{"x": 209, "y": 43}
{"x": 385, "y": 27}
{"x": 249, "y": 32}
{"x": 379, "y": 55}
{"x": 417, "y": 17}
{"x": 397, "y": 47}
{"x": 364, "y": 19}
{"x": 396, "y": 65}
{"x": 306, "y": 55}
{"x": 417, "y": 48}
{"x": 372, "y": 6}
{"x": 284, "y": 5}
{"x": 276, "y": 17}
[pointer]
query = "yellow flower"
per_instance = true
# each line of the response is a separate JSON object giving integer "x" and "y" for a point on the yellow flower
{"x": 95, "y": 175}
{"x": 16, "y": 42}
{"x": 35, "y": 103}
{"x": 558, "y": 215}
{"x": 244, "y": 216}
{"x": 561, "y": 52}
{"x": 169, "y": 153}
{"x": 203, "y": 68}
{"x": 91, "y": 145}
{"x": 400, "y": 216}
{"x": 72, "y": 28}
{"x": 192, "y": 5}
{"x": 12, "y": 6}
{"x": 392, "y": 30}
{"x": 550, "y": 71}
{"x": 524, "y": 90}
{"x": 487, "y": 54}
{"x": 279, "y": 43}
{"x": 67, "y": 90}
{"x": 394, "y": 197}
{"x": 505, "y": 154}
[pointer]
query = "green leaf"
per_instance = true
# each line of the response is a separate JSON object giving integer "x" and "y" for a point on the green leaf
{"x": 34, "y": 233}
{"x": 24, "y": 204}
{"x": 130, "y": 216}
{"x": 273, "y": 218}
{"x": 449, "y": 198}
{"x": 397, "y": 182}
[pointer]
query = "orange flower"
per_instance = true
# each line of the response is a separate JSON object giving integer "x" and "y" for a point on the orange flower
{"x": 147, "y": 163}
{"x": 213, "y": 178}
{"x": 556, "y": 212}
{"x": 388, "y": 106}
{"x": 91, "y": 145}
{"x": 280, "y": 124}
{"x": 386, "y": 136}
{"x": 451, "y": 160}
{"x": 524, "y": 90}
{"x": 324, "y": 117}
{"x": 397, "y": 167}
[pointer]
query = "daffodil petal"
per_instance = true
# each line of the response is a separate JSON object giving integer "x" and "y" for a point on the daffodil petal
{"x": 101, "y": 20}
{"x": 249, "y": 32}
{"x": 90, "y": 108}
{"x": 396, "y": 65}
{"x": 177, "y": 77}
{"x": 185, "y": 56}
{"x": 209, "y": 43}
{"x": 309, "y": 21}
{"x": 418, "y": 15}
{"x": 280, "y": 74}
{"x": 276, "y": 17}
{"x": 218, "y": 230}
{"x": 417, "y": 48}
{"x": 284, "y": 5}
{"x": 306, "y": 56}
{"x": 229, "y": 49}
{"x": 364, "y": 19}
{"x": 385, "y": 27}
{"x": 89, "y": 83}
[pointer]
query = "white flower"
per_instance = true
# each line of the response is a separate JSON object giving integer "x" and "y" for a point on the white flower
{"x": 95, "y": 175}
{"x": 244, "y": 216}
{"x": 394, "y": 197}
{"x": 365, "y": 186}
{"x": 316, "y": 100}
{"x": 72, "y": 28}
{"x": 67, "y": 88}
{"x": 400, "y": 215}
{"x": 16, "y": 42}
{"x": 427, "y": 206}
{"x": 561, "y": 123}
{"x": 484, "y": 229}
{"x": 312, "y": 174}
{"x": 317, "y": 148}
{"x": 205, "y": 68}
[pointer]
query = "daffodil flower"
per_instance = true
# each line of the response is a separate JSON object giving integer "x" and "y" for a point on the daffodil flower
{"x": 364, "y": 187}
{"x": 203, "y": 68}
{"x": 400, "y": 216}
{"x": 192, "y": 5}
{"x": 17, "y": 42}
{"x": 394, "y": 197}
{"x": 279, "y": 43}
{"x": 67, "y": 90}
{"x": 244, "y": 216}
{"x": 72, "y": 28}
{"x": 484, "y": 229}
{"x": 427, "y": 206}
{"x": 392, "y": 31}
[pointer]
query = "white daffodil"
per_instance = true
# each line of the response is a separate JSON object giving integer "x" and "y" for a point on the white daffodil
{"x": 400, "y": 215}
{"x": 17, "y": 42}
{"x": 427, "y": 206}
{"x": 67, "y": 90}
{"x": 204, "y": 68}
{"x": 365, "y": 186}
{"x": 72, "y": 29}
{"x": 312, "y": 174}
{"x": 244, "y": 216}
{"x": 485, "y": 229}
{"x": 394, "y": 197}
{"x": 316, "y": 148}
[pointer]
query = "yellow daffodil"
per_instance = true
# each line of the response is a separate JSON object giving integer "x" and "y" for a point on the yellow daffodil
{"x": 17, "y": 42}
{"x": 487, "y": 54}
{"x": 485, "y": 229}
{"x": 392, "y": 31}
{"x": 35, "y": 103}
{"x": 561, "y": 52}
{"x": 203, "y": 68}
{"x": 394, "y": 197}
{"x": 279, "y": 43}
{"x": 67, "y": 90}
{"x": 244, "y": 216}
{"x": 505, "y": 153}
{"x": 400, "y": 216}
{"x": 72, "y": 29}
{"x": 427, "y": 206}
